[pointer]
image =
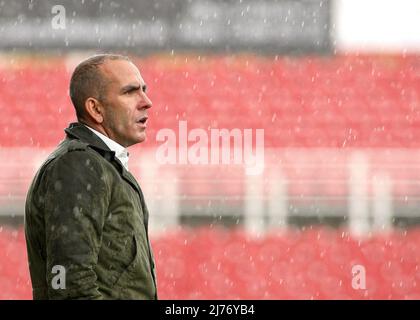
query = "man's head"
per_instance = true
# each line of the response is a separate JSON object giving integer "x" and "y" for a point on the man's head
{"x": 109, "y": 95}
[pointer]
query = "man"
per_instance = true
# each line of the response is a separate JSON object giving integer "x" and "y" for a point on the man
{"x": 85, "y": 217}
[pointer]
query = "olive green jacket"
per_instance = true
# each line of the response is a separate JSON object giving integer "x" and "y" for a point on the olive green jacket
{"x": 86, "y": 214}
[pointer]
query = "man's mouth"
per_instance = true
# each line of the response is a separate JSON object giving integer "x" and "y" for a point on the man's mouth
{"x": 143, "y": 120}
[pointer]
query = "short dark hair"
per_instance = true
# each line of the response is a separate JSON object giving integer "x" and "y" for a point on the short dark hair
{"x": 88, "y": 80}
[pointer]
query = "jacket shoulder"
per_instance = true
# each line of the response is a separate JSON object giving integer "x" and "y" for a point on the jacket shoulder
{"x": 72, "y": 157}
{"x": 69, "y": 147}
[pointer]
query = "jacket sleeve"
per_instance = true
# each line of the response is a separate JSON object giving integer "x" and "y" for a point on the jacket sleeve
{"x": 77, "y": 198}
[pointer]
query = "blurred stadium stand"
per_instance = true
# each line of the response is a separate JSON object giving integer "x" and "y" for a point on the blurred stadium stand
{"x": 214, "y": 263}
{"x": 317, "y": 113}
{"x": 341, "y": 180}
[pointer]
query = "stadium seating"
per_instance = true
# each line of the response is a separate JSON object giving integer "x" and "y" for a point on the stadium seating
{"x": 341, "y": 102}
{"x": 213, "y": 263}
{"x": 345, "y": 101}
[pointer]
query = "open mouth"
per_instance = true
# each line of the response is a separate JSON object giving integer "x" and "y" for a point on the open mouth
{"x": 143, "y": 120}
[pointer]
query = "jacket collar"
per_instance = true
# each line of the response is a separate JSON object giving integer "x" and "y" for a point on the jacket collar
{"x": 79, "y": 131}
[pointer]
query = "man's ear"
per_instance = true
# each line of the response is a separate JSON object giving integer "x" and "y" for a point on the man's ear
{"x": 94, "y": 109}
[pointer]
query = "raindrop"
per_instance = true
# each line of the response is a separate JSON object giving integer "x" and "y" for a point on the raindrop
{"x": 58, "y": 185}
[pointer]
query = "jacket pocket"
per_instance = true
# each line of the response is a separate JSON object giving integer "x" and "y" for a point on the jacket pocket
{"x": 131, "y": 266}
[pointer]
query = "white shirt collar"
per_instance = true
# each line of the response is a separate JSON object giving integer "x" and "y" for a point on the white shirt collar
{"x": 120, "y": 152}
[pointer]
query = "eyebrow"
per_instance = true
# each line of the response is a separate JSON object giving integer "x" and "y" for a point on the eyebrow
{"x": 131, "y": 87}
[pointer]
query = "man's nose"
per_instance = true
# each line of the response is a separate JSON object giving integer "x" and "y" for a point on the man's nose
{"x": 146, "y": 102}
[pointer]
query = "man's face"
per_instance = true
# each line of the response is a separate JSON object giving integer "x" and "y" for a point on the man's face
{"x": 125, "y": 103}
